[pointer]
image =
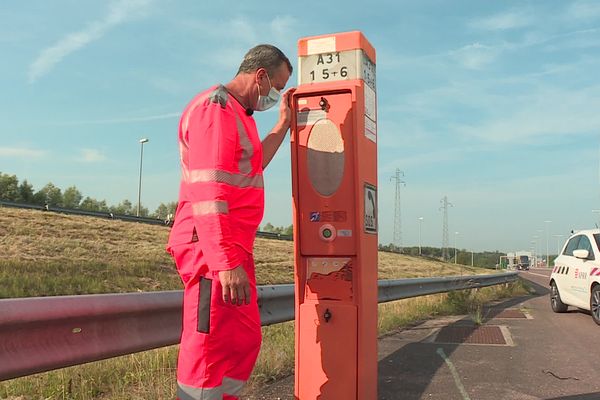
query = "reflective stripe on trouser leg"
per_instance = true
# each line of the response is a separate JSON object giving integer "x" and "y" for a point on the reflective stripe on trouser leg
{"x": 216, "y": 365}
{"x": 229, "y": 385}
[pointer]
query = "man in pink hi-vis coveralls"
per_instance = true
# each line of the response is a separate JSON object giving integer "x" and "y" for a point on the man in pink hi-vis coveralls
{"x": 221, "y": 204}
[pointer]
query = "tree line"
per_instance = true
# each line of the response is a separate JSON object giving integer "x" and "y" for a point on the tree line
{"x": 282, "y": 230}
{"x": 485, "y": 259}
{"x": 11, "y": 189}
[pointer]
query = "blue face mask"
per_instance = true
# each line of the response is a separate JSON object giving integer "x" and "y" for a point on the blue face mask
{"x": 265, "y": 102}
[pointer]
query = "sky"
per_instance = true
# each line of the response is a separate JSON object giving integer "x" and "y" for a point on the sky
{"x": 495, "y": 105}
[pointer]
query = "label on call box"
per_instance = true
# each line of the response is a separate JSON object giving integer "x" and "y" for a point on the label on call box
{"x": 309, "y": 117}
{"x": 334, "y": 66}
{"x": 370, "y": 217}
{"x": 320, "y": 45}
{"x": 370, "y": 129}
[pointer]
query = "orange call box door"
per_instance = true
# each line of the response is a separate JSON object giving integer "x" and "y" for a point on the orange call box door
{"x": 326, "y": 187}
{"x": 330, "y": 376}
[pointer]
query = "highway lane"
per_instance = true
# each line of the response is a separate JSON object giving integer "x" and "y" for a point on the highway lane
{"x": 548, "y": 357}
{"x": 553, "y": 356}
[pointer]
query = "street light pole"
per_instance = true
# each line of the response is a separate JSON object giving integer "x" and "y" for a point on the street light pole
{"x": 142, "y": 141}
{"x": 535, "y": 254}
{"x": 557, "y": 244}
{"x": 540, "y": 248}
{"x": 596, "y": 211}
{"x": 547, "y": 240}
{"x": 420, "y": 223}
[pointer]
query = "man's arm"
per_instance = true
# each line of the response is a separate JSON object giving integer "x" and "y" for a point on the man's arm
{"x": 211, "y": 137}
{"x": 273, "y": 141}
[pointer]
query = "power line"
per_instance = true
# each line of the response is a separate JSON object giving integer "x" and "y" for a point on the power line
{"x": 445, "y": 239}
{"x": 397, "y": 210}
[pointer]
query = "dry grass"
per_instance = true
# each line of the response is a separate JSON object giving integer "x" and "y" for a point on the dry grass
{"x": 52, "y": 254}
{"x": 42, "y": 236}
{"x": 396, "y": 266}
{"x": 117, "y": 256}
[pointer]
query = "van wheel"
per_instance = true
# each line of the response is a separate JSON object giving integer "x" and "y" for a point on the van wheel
{"x": 595, "y": 304}
{"x": 557, "y": 305}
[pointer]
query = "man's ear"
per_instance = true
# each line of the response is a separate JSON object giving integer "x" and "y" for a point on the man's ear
{"x": 259, "y": 74}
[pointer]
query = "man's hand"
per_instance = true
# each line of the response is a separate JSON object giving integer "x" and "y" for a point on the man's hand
{"x": 274, "y": 139}
{"x": 285, "y": 109}
{"x": 236, "y": 288}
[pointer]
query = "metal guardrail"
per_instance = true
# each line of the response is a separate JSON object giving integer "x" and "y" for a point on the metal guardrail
{"x": 43, "y": 333}
{"x": 272, "y": 235}
{"x": 98, "y": 214}
{"x": 121, "y": 217}
{"x": 390, "y": 290}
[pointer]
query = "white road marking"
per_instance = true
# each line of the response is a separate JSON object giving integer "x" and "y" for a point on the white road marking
{"x": 457, "y": 381}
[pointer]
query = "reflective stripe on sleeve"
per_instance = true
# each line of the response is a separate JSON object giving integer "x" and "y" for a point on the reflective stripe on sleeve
{"x": 220, "y": 176}
{"x": 210, "y": 207}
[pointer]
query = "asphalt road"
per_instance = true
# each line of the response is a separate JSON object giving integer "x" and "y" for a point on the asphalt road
{"x": 547, "y": 356}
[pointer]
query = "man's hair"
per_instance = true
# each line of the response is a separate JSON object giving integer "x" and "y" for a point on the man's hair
{"x": 263, "y": 56}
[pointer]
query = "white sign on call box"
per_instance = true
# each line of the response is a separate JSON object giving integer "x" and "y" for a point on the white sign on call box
{"x": 370, "y": 217}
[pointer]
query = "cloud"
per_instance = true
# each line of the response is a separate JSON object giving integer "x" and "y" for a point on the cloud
{"x": 539, "y": 115}
{"x": 584, "y": 10}
{"x": 580, "y": 39}
{"x": 247, "y": 32}
{"x": 124, "y": 120}
{"x": 427, "y": 155}
{"x": 119, "y": 13}
{"x": 551, "y": 103}
{"x": 242, "y": 34}
{"x": 168, "y": 85}
{"x": 283, "y": 27}
{"x": 476, "y": 55}
{"x": 503, "y": 21}
{"x": 243, "y": 30}
{"x": 21, "y": 152}
{"x": 91, "y": 156}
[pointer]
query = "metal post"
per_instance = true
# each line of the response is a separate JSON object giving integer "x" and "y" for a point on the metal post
{"x": 398, "y": 210}
{"x": 547, "y": 240}
{"x": 420, "y": 223}
{"x": 445, "y": 239}
{"x": 596, "y": 211}
{"x": 536, "y": 252}
{"x": 142, "y": 141}
{"x": 557, "y": 244}
{"x": 540, "y": 248}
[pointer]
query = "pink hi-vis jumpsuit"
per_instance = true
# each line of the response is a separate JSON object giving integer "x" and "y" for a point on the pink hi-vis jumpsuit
{"x": 221, "y": 204}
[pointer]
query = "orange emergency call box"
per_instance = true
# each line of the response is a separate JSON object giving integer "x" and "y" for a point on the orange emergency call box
{"x": 334, "y": 179}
